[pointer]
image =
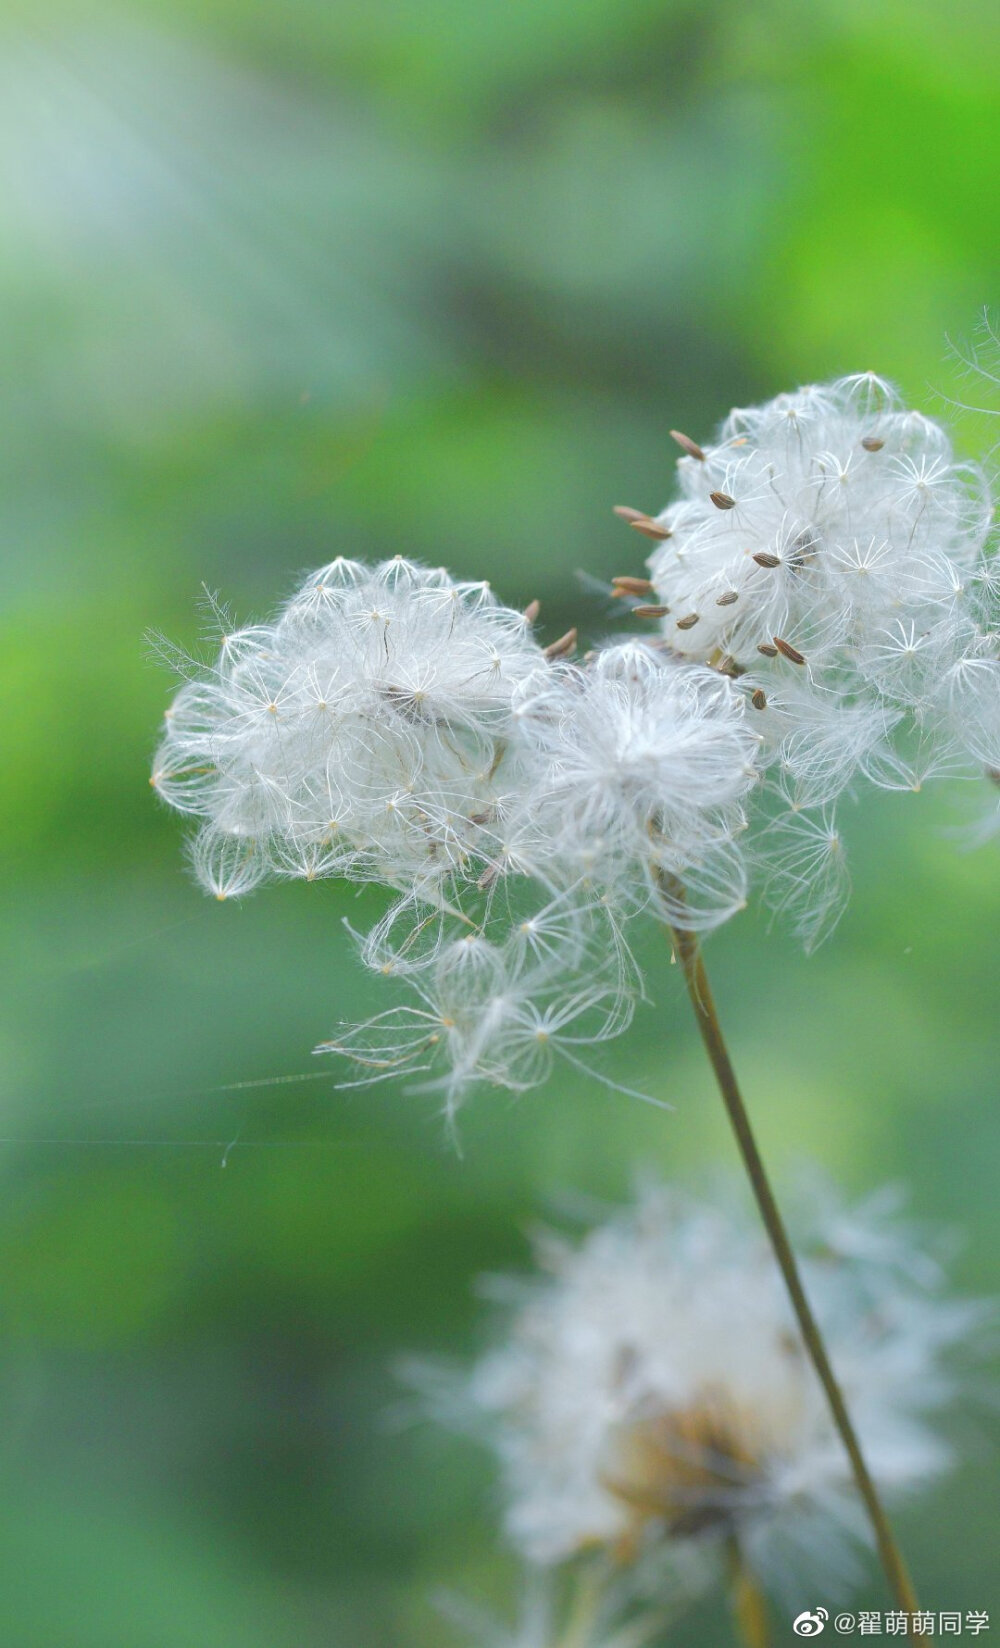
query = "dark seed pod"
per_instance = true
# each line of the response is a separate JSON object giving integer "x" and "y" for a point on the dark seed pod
{"x": 650, "y": 529}
{"x": 766, "y": 648}
{"x": 688, "y": 622}
{"x": 758, "y": 700}
{"x": 722, "y": 500}
{"x": 687, "y": 445}
{"x": 632, "y": 586}
{"x": 727, "y": 600}
{"x": 763, "y": 559}
{"x": 871, "y": 443}
{"x": 564, "y": 645}
{"x": 786, "y": 649}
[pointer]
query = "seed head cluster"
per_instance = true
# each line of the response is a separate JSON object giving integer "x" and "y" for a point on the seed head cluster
{"x": 623, "y": 1422}
{"x": 641, "y": 772}
{"x": 394, "y": 725}
{"x": 828, "y": 550}
{"x": 361, "y": 734}
{"x": 826, "y": 614}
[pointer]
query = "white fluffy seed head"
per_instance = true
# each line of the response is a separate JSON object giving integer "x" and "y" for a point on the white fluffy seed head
{"x": 364, "y": 732}
{"x": 495, "y": 1009}
{"x": 827, "y": 513}
{"x": 623, "y": 1420}
{"x": 641, "y": 771}
{"x": 831, "y": 551}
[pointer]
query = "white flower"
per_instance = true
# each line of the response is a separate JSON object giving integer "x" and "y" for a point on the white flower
{"x": 821, "y": 520}
{"x": 641, "y": 767}
{"x": 829, "y": 551}
{"x": 651, "y": 1393}
{"x": 364, "y": 732}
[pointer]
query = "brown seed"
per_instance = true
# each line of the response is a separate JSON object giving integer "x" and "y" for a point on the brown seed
{"x": 650, "y": 529}
{"x": 766, "y": 648}
{"x": 532, "y": 610}
{"x": 758, "y": 699}
{"x": 727, "y": 600}
{"x": 632, "y": 586}
{"x": 722, "y": 500}
{"x": 625, "y": 512}
{"x": 786, "y": 649}
{"x": 687, "y": 445}
{"x": 765, "y": 560}
{"x": 992, "y": 773}
{"x": 729, "y": 666}
{"x": 871, "y": 443}
{"x": 650, "y": 612}
{"x": 565, "y": 644}
{"x": 688, "y": 622}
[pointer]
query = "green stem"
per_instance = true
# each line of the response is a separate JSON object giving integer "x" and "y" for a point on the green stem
{"x": 749, "y": 1606}
{"x": 688, "y": 952}
{"x": 583, "y": 1611}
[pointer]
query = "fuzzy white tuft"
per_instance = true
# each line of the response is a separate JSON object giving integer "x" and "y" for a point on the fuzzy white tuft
{"x": 623, "y": 1420}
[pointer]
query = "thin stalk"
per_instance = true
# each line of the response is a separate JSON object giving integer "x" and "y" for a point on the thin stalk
{"x": 583, "y": 1611}
{"x": 749, "y": 1607}
{"x": 688, "y": 952}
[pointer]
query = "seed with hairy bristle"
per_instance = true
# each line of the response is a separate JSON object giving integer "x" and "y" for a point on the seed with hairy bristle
{"x": 764, "y": 559}
{"x": 532, "y": 610}
{"x": 632, "y": 586}
{"x": 729, "y": 666}
{"x": 758, "y": 700}
{"x": 560, "y": 648}
{"x": 722, "y": 500}
{"x": 766, "y": 648}
{"x": 650, "y": 612}
{"x": 625, "y": 512}
{"x": 727, "y": 600}
{"x": 688, "y": 622}
{"x": 687, "y": 445}
{"x": 871, "y": 443}
{"x": 650, "y": 529}
{"x": 786, "y": 649}
{"x": 993, "y": 774}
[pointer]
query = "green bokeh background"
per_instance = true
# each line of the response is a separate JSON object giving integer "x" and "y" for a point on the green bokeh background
{"x": 284, "y": 280}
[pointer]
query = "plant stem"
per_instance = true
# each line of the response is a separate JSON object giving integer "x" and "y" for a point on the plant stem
{"x": 688, "y": 952}
{"x": 583, "y": 1611}
{"x": 749, "y": 1607}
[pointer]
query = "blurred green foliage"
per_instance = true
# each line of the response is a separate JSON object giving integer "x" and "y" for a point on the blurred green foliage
{"x": 283, "y": 281}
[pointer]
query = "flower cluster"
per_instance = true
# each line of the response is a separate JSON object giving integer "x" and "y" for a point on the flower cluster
{"x": 828, "y": 550}
{"x": 827, "y": 613}
{"x": 623, "y": 1421}
{"x": 394, "y": 725}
